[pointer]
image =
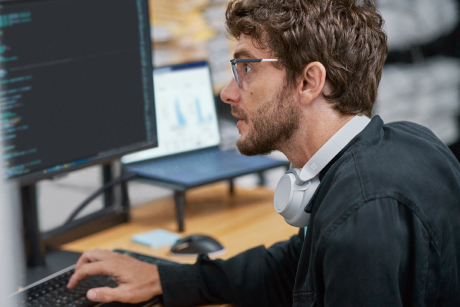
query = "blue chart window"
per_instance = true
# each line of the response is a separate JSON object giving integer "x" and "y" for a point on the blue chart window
{"x": 67, "y": 70}
{"x": 185, "y": 106}
{"x": 180, "y": 115}
{"x": 201, "y": 118}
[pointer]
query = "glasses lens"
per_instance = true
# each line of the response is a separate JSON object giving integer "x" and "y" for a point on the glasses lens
{"x": 235, "y": 73}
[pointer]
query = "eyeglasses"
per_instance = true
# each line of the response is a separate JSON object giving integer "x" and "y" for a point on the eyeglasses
{"x": 239, "y": 71}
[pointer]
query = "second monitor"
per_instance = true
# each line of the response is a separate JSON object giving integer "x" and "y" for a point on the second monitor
{"x": 186, "y": 114}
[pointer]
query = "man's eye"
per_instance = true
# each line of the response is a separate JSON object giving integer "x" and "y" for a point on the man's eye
{"x": 247, "y": 68}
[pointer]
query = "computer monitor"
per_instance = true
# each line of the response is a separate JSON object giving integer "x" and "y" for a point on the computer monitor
{"x": 187, "y": 118}
{"x": 76, "y": 84}
{"x": 76, "y": 89}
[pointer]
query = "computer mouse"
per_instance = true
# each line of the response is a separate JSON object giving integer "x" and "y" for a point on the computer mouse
{"x": 197, "y": 244}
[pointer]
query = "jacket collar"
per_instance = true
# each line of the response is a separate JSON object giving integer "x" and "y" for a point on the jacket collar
{"x": 372, "y": 134}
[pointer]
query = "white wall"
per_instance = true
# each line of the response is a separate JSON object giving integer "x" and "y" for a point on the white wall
{"x": 11, "y": 254}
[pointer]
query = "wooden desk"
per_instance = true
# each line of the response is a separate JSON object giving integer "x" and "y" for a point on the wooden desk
{"x": 244, "y": 220}
{"x": 239, "y": 222}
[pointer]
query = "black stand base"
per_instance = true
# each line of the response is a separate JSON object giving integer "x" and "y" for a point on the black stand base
{"x": 41, "y": 263}
{"x": 55, "y": 261}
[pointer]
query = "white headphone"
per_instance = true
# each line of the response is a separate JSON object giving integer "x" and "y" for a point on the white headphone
{"x": 297, "y": 186}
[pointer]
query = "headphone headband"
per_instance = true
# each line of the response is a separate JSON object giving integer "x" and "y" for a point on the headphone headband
{"x": 333, "y": 146}
{"x": 296, "y": 188}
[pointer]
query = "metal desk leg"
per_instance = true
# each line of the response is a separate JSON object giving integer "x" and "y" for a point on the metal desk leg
{"x": 125, "y": 202}
{"x": 107, "y": 176}
{"x": 262, "y": 180}
{"x": 179, "y": 200}
{"x": 231, "y": 187}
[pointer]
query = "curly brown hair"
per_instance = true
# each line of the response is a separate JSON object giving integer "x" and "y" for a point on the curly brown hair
{"x": 346, "y": 36}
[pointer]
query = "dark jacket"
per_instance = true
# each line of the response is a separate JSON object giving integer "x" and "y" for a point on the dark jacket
{"x": 384, "y": 231}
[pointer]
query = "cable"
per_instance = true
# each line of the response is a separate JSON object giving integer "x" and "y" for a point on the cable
{"x": 121, "y": 179}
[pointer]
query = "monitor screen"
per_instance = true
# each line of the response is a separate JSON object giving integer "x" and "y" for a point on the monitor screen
{"x": 76, "y": 84}
{"x": 186, "y": 111}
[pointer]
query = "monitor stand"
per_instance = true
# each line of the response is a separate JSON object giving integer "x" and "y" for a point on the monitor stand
{"x": 39, "y": 263}
{"x": 42, "y": 250}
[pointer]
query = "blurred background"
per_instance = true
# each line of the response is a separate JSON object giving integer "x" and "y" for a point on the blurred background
{"x": 420, "y": 83}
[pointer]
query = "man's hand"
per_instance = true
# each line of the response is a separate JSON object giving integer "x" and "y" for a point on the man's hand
{"x": 137, "y": 281}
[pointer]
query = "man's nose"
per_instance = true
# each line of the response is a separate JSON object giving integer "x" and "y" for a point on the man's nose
{"x": 231, "y": 93}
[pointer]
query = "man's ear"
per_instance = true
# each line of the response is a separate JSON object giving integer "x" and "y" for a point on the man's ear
{"x": 312, "y": 82}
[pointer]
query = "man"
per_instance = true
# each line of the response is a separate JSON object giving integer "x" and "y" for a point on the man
{"x": 384, "y": 228}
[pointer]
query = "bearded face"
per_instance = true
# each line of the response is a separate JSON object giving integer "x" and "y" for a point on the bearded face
{"x": 273, "y": 122}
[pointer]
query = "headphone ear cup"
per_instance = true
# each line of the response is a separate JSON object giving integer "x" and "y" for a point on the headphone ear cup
{"x": 302, "y": 218}
{"x": 290, "y": 199}
{"x": 284, "y": 194}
